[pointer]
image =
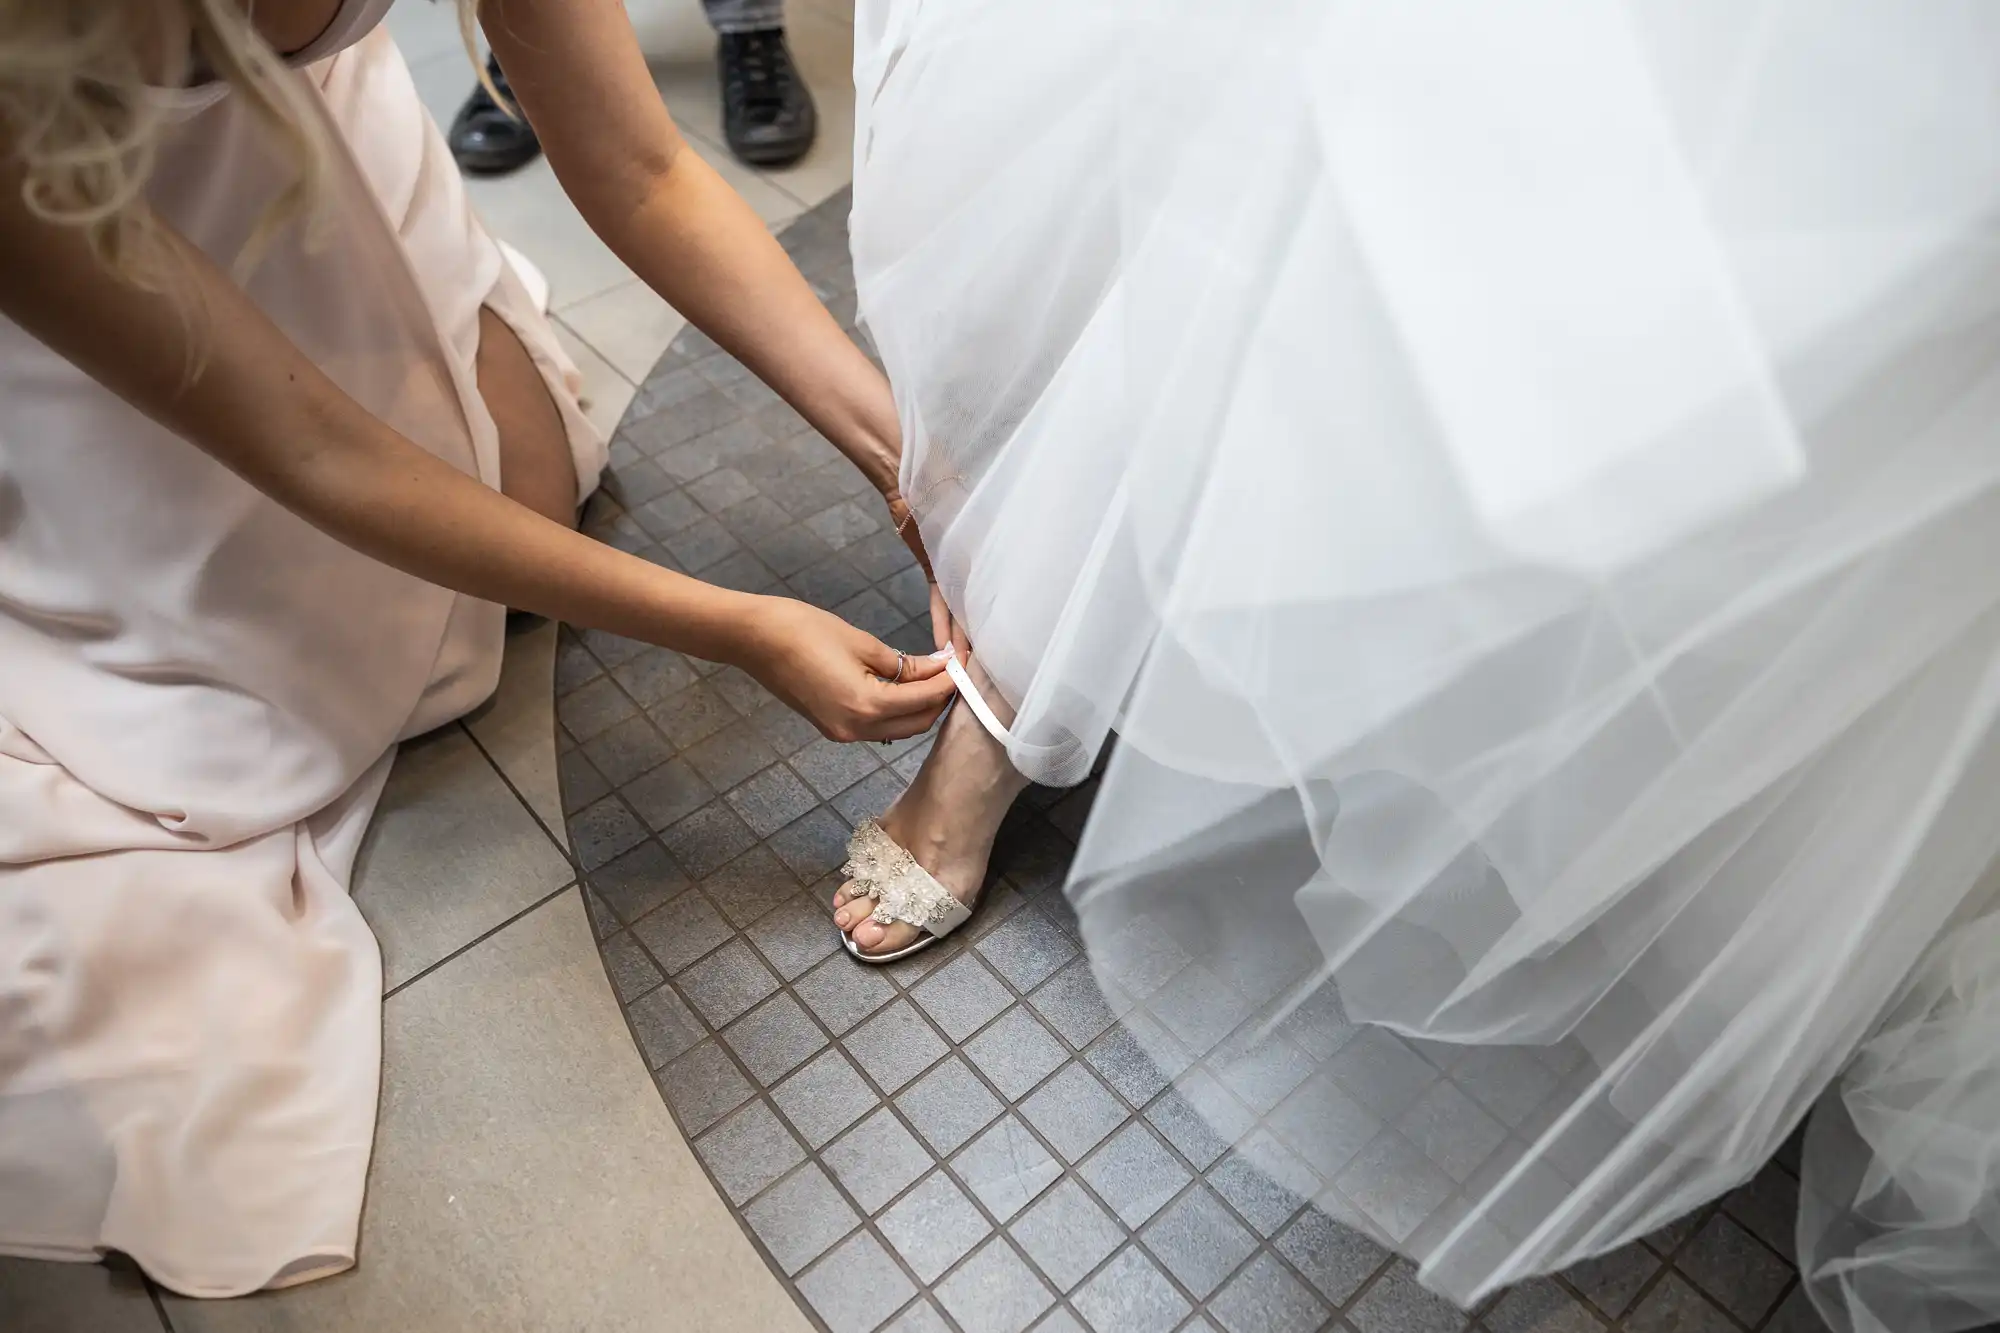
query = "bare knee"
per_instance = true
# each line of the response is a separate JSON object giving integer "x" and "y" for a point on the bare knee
{"x": 536, "y": 467}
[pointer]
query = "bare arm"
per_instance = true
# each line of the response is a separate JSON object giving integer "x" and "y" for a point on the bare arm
{"x": 581, "y": 79}
{"x": 261, "y": 408}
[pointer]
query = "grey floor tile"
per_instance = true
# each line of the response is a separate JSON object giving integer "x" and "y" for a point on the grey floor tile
{"x": 627, "y": 749}
{"x": 492, "y": 1063}
{"x": 1016, "y": 1052}
{"x": 602, "y": 832}
{"x": 1397, "y": 1187}
{"x": 1796, "y": 1315}
{"x": 1381, "y": 1073}
{"x": 747, "y": 1151}
{"x": 895, "y": 1045}
{"x": 724, "y": 985}
{"x": 923, "y": 1317}
{"x": 1673, "y": 1306}
{"x": 1260, "y": 1072}
{"x": 1200, "y": 1118}
{"x": 451, "y": 855}
{"x": 1508, "y": 1081}
{"x": 995, "y": 1291}
{"x": 1146, "y": 957}
{"x": 1264, "y": 1183}
{"x": 1611, "y": 1282}
{"x": 1398, "y": 1303}
{"x": 639, "y": 881}
{"x": 1199, "y": 1008}
{"x": 1736, "y": 1270}
{"x": 1768, "y": 1207}
{"x": 654, "y": 676}
{"x": 1266, "y": 1298}
{"x": 787, "y": 732}
{"x": 869, "y": 610}
{"x": 814, "y": 845}
{"x": 755, "y": 517}
{"x": 589, "y": 710}
{"x": 703, "y": 544}
{"x": 1074, "y": 1111}
{"x": 1076, "y": 1007}
{"x": 775, "y": 1038}
{"x": 871, "y": 797}
{"x": 1060, "y": 1320}
{"x": 581, "y": 784}
{"x": 841, "y": 993}
{"x": 1006, "y": 1167}
{"x": 796, "y": 935}
{"x": 668, "y": 794}
{"x": 825, "y": 1098}
{"x": 1027, "y": 949}
{"x": 574, "y": 665}
{"x": 771, "y": 800}
{"x": 878, "y": 1159}
{"x": 632, "y": 969}
{"x": 604, "y": 922}
{"x": 1199, "y": 1241}
{"x": 857, "y": 1287}
{"x": 962, "y": 996}
{"x": 691, "y": 716}
{"x": 748, "y": 887}
{"x": 42, "y": 1297}
{"x": 830, "y": 768}
{"x": 948, "y": 1105}
{"x": 882, "y": 556}
{"x": 703, "y": 1086}
{"x": 1324, "y": 1126}
{"x": 516, "y": 727}
{"x": 933, "y": 1226}
{"x": 1134, "y": 1173}
{"x": 709, "y": 839}
{"x": 801, "y": 1217}
{"x": 1131, "y": 1295}
{"x": 686, "y": 929}
{"x": 1336, "y": 1259}
{"x": 1138, "y": 1058}
{"x": 843, "y": 525}
{"x": 731, "y": 756}
{"x": 1067, "y": 1234}
{"x": 664, "y": 1026}
{"x": 667, "y": 514}
{"x": 1540, "y": 1306}
{"x": 1449, "y": 1128}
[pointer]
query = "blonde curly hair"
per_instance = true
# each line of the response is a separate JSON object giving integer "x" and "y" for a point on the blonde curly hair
{"x": 82, "y": 117}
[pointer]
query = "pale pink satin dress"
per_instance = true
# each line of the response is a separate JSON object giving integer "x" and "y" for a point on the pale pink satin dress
{"x": 199, "y": 699}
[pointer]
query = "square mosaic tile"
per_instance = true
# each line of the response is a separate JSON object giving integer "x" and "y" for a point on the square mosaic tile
{"x": 991, "y": 1137}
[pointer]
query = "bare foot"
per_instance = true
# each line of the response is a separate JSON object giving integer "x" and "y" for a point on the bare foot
{"x": 946, "y": 820}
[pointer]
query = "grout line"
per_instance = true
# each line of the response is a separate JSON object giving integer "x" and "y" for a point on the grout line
{"x": 519, "y": 796}
{"x": 472, "y": 944}
{"x": 159, "y": 1305}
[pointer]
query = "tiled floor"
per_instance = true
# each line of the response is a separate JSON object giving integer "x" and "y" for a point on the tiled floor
{"x": 983, "y": 1138}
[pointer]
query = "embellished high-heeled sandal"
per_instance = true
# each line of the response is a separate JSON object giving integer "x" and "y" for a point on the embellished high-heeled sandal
{"x": 884, "y": 871}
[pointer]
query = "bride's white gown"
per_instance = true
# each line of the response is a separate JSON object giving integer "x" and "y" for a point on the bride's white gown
{"x": 1520, "y": 479}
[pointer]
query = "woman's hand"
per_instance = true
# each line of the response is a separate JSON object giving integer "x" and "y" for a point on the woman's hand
{"x": 840, "y": 677}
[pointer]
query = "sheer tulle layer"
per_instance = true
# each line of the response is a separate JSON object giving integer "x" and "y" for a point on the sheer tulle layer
{"x": 1522, "y": 482}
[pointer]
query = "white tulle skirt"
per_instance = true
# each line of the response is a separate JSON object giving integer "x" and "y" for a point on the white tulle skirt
{"x": 1520, "y": 480}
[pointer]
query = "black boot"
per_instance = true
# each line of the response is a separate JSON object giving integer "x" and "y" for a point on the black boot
{"x": 485, "y": 140}
{"x": 767, "y": 114}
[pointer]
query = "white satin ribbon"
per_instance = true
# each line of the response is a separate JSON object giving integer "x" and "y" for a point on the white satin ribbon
{"x": 970, "y": 693}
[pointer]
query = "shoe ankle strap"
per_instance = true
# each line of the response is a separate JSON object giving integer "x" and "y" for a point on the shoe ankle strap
{"x": 970, "y": 693}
